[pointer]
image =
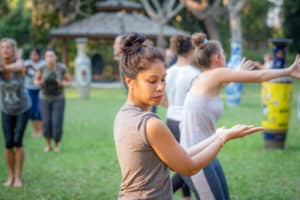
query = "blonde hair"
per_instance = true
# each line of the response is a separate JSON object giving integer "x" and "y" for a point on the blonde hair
{"x": 13, "y": 44}
{"x": 205, "y": 49}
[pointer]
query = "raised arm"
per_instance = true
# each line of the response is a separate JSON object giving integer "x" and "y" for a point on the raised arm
{"x": 226, "y": 75}
{"x": 17, "y": 66}
{"x": 195, "y": 158}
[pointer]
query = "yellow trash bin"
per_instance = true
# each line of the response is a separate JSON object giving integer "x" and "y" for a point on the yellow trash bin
{"x": 276, "y": 100}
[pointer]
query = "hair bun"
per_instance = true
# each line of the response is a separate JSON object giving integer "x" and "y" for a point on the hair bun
{"x": 181, "y": 44}
{"x": 132, "y": 43}
{"x": 199, "y": 39}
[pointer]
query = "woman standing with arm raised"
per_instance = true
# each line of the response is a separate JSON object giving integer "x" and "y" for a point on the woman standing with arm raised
{"x": 203, "y": 106}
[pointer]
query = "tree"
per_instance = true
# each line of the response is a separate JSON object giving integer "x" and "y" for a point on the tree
{"x": 234, "y": 8}
{"x": 47, "y": 14}
{"x": 291, "y": 23}
{"x": 207, "y": 12}
{"x": 4, "y": 9}
{"x": 162, "y": 13}
{"x": 253, "y": 22}
{"x": 16, "y": 23}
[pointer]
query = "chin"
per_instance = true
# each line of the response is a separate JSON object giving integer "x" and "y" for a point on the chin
{"x": 155, "y": 103}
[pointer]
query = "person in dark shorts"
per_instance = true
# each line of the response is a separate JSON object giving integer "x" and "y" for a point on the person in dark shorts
{"x": 15, "y": 109}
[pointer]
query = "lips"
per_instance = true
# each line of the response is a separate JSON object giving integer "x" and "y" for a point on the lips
{"x": 158, "y": 97}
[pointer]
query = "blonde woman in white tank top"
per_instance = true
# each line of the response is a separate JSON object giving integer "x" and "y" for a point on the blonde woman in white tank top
{"x": 203, "y": 106}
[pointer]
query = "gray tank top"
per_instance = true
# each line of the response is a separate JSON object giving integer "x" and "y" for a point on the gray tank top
{"x": 200, "y": 117}
{"x": 144, "y": 175}
{"x": 14, "y": 99}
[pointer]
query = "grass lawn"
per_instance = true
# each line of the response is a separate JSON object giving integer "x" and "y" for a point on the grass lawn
{"x": 87, "y": 167}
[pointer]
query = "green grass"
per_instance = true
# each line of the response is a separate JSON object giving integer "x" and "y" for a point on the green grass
{"x": 87, "y": 167}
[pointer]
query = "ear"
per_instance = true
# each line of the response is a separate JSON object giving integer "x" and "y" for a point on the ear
{"x": 129, "y": 82}
{"x": 215, "y": 58}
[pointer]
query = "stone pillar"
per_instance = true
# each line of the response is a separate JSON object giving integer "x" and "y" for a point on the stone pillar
{"x": 234, "y": 90}
{"x": 82, "y": 69}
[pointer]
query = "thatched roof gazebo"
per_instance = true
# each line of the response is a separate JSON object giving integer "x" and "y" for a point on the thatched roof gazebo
{"x": 106, "y": 26}
{"x": 117, "y": 5}
{"x": 115, "y": 17}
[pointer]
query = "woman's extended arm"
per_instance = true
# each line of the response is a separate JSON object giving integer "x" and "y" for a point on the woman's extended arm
{"x": 226, "y": 75}
{"x": 195, "y": 158}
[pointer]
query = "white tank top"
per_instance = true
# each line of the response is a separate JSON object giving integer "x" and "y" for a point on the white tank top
{"x": 178, "y": 82}
{"x": 199, "y": 118}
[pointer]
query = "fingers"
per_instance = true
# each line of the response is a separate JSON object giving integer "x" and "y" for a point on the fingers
{"x": 251, "y": 130}
{"x": 243, "y": 60}
{"x": 247, "y": 65}
{"x": 297, "y": 59}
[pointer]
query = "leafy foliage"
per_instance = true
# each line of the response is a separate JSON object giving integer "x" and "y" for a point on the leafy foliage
{"x": 292, "y": 23}
{"x": 15, "y": 23}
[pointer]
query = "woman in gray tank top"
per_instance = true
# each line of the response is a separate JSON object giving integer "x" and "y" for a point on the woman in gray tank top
{"x": 203, "y": 106}
{"x": 52, "y": 78}
{"x": 145, "y": 147}
{"x": 15, "y": 105}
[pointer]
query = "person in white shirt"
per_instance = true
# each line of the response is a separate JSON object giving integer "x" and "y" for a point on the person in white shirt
{"x": 178, "y": 82}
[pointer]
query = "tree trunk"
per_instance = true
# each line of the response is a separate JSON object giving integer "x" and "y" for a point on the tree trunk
{"x": 211, "y": 28}
{"x": 235, "y": 27}
{"x": 160, "y": 37}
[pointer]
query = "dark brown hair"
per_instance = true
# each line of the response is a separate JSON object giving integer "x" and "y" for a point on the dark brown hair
{"x": 136, "y": 54}
{"x": 205, "y": 49}
{"x": 181, "y": 44}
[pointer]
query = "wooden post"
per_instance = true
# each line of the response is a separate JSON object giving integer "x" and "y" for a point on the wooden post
{"x": 64, "y": 51}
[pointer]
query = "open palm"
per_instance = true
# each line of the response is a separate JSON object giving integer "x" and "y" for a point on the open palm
{"x": 238, "y": 131}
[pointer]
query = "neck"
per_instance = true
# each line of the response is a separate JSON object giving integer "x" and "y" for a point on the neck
{"x": 210, "y": 68}
{"x": 183, "y": 61}
{"x": 144, "y": 107}
{"x": 52, "y": 65}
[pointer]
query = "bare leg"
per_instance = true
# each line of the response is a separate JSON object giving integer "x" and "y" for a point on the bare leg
{"x": 37, "y": 128}
{"x": 48, "y": 145}
{"x": 56, "y": 147}
{"x": 19, "y": 161}
{"x": 10, "y": 162}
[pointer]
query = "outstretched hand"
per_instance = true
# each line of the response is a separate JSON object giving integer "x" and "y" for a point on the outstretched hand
{"x": 295, "y": 68}
{"x": 247, "y": 64}
{"x": 238, "y": 131}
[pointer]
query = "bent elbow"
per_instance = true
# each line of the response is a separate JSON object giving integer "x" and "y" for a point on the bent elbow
{"x": 191, "y": 170}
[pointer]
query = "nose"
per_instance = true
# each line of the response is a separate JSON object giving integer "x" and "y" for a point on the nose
{"x": 161, "y": 86}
